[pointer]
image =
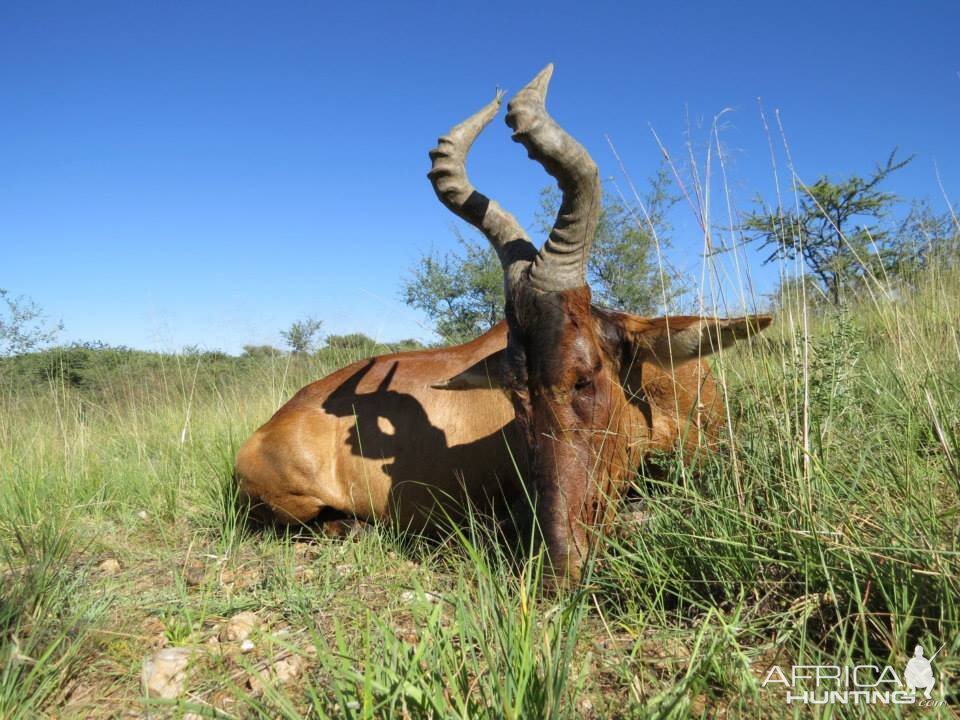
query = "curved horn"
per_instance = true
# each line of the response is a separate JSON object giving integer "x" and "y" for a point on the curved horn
{"x": 562, "y": 263}
{"x": 448, "y": 175}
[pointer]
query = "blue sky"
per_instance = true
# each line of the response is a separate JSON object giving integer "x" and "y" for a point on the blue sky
{"x": 205, "y": 173}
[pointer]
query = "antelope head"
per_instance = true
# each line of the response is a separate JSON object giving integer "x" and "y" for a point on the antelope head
{"x": 566, "y": 361}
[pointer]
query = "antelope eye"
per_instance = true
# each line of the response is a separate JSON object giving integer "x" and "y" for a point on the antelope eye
{"x": 583, "y": 383}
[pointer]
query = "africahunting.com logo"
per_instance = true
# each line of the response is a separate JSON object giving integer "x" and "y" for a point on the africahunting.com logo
{"x": 859, "y": 684}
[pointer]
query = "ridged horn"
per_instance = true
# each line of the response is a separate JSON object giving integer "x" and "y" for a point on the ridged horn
{"x": 448, "y": 175}
{"x": 562, "y": 263}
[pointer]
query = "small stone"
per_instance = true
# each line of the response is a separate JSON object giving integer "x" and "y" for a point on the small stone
{"x": 243, "y": 577}
{"x": 247, "y": 646}
{"x": 306, "y": 550}
{"x": 110, "y": 566}
{"x": 194, "y": 575}
{"x": 239, "y": 627}
{"x": 288, "y": 669}
{"x": 305, "y": 574}
{"x": 142, "y": 514}
{"x": 409, "y": 596}
{"x": 164, "y": 673}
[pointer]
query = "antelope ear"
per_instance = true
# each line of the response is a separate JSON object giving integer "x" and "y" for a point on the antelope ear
{"x": 482, "y": 375}
{"x": 672, "y": 340}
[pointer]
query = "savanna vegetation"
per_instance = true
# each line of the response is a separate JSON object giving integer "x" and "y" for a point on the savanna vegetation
{"x": 825, "y": 531}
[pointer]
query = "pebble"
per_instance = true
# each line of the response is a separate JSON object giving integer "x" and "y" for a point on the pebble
{"x": 409, "y": 596}
{"x": 164, "y": 673}
{"x": 288, "y": 669}
{"x": 239, "y": 627}
{"x": 110, "y": 566}
{"x": 195, "y": 575}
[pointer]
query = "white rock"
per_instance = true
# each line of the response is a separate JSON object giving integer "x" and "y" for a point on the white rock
{"x": 239, "y": 627}
{"x": 288, "y": 669}
{"x": 164, "y": 673}
{"x": 142, "y": 514}
{"x": 110, "y": 566}
{"x": 247, "y": 646}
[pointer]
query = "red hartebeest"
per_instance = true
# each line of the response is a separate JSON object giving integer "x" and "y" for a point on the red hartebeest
{"x": 571, "y": 395}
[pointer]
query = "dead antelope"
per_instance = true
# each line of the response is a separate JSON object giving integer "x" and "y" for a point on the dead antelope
{"x": 572, "y": 395}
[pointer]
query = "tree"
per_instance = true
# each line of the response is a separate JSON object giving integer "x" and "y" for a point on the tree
{"x": 351, "y": 341}
{"x": 23, "y": 326}
{"x": 406, "y": 345}
{"x": 830, "y": 232}
{"x": 794, "y": 289}
{"x": 302, "y": 336}
{"x": 259, "y": 352}
{"x": 363, "y": 345}
{"x": 462, "y": 291}
{"x": 927, "y": 238}
{"x": 624, "y": 268}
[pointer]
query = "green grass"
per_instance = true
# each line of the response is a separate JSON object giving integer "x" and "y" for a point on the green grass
{"x": 824, "y": 532}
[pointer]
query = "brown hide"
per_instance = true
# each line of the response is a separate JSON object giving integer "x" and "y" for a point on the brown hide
{"x": 389, "y": 437}
{"x": 591, "y": 391}
{"x": 374, "y": 439}
{"x": 596, "y": 390}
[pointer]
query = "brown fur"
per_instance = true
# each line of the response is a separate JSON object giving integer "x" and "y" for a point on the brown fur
{"x": 594, "y": 391}
{"x": 376, "y": 439}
